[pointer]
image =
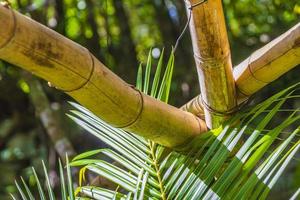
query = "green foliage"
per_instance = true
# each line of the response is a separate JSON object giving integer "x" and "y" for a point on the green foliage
{"x": 223, "y": 167}
{"x": 240, "y": 160}
{"x": 66, "y": 193}
{"x": 151, "y": 24}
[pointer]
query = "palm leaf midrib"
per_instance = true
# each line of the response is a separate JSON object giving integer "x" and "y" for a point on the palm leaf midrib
{"x": 155, "y": 160}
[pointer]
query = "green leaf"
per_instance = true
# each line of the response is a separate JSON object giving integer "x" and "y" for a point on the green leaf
{"x": 230, "y": 162}
{"x": 138, "y": 184}
{"x": 87, "y": 154}
{"x": 156, "y": 79}
{"x": 148, "y": 73}
{"x": 48, "y": 184}
{"x": 69, "y": 178}
{"x": 139, "y": 80}
{"x": 41, "y": 192}
{"x": 30, "y": 195}
{"x": 62, "y": 182}
{"x": 164, "y": 90}
{"x": 100, "y": 193}
{"x": 21, "y": 191}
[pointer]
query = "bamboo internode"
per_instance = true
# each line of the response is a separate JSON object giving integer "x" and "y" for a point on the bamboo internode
{"x": 268, "y": 63}
{"x": 261, "y": 67}
{"x": 212, "y": 56}
{"x": 71, "y": 68}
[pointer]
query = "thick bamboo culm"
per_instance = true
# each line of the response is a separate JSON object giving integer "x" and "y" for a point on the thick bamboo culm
{"x": 268, "y": 63}
{"x": 213, "y": 60}
{"x": 261, "y": 67}
{"x": 72, "y": 68}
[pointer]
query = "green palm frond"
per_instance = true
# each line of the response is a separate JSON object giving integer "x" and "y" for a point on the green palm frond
{"x": 66, "y": 193}
{"x": 243, "y": 159}
{"x": 234, "y": 162}
{"x": 296, "y": 194}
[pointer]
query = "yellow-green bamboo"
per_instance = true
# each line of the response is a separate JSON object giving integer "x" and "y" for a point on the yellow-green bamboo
{"x": 213, "y": 60}
{"x": 262, "y": 67}
{"x": 268, "y": 63}
{"x": 73, "y": 69}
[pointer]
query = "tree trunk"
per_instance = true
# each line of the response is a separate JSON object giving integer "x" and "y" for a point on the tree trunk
{"x": 60, "y": 16}
{"x": 94, "y": 42}
{"x": 49, "y": 118}
{"x": 170, "y": 31}
{"x": 126, "y": 53}
{"x": 213, "y": 60}
{"x": 74, "y": 70}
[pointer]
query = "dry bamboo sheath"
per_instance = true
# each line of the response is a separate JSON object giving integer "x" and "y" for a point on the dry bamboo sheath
{"x": 262, "y": 67}
{"x": 72, "y": 68}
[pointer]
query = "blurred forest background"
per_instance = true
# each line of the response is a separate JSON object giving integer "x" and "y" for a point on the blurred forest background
{"x": 33, "y": 125}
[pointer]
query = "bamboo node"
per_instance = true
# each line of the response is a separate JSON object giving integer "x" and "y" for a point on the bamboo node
{"x": 192, "y": 6}
{"x": 202, "y": 125}
{"x": 252, "y": 73}
{"x": 217, "y": 112}
{"x": 140, "y": 110}
{"x": 89, "y": 77}
{"x": 194, "y": 105}
{"x": 12, "y": 35}
{"x": 199, "y": 107}
{"x": 210, "y": 62}
{"x": 242, "y": 92}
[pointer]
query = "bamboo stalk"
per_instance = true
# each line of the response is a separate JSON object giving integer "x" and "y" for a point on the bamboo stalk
{"x": 262, "y": 67}
{"x": 268, "y": 63}
{"x": 73, "y": 69}
{"x": 212, "y": 56}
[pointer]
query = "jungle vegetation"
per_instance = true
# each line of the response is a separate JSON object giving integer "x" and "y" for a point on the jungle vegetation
{"x": 237, "y": 139}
